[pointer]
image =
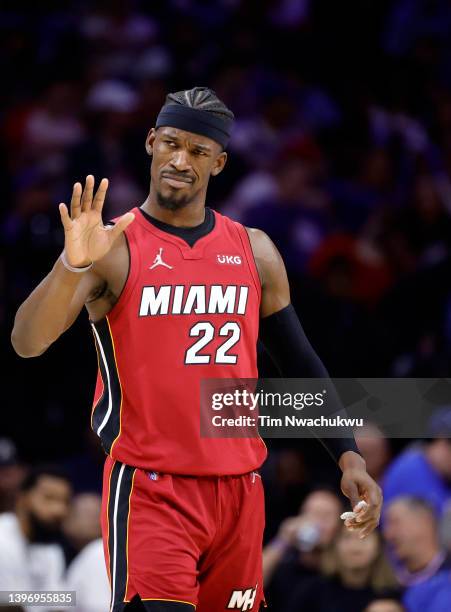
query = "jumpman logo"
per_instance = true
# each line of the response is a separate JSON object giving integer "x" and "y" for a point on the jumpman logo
{"x": 158, "y": 261}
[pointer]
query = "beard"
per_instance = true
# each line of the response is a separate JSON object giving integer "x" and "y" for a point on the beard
{"x": 43, "y": 532}
{"x": 172, "y": 203}
{"x": 175, "y": 201}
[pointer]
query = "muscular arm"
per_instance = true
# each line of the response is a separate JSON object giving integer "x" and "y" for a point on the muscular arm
{"x": 51, "y": 309}
{"x": 283, "y": 336}
{"x": 281, "y": 331}
{"x": 57, "y": 301}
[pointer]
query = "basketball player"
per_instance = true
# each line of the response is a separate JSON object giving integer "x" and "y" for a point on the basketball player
{"x": 174, "y": 292}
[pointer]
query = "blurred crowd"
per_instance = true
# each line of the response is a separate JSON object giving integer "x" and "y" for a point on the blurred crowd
{"x": 342, "y": 153}
{"x": 50, "y": 537}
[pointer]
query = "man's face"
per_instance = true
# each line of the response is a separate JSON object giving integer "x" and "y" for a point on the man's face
{"x": 407, "y": 530}
{"x": 47, "y": 504}
{"x": 182, "y": 163}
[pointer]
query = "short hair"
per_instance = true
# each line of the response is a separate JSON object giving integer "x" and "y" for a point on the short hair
{"x": 416, "y": 503}
{"x": 201, "y": 98}
{"x": 37, "y": 472}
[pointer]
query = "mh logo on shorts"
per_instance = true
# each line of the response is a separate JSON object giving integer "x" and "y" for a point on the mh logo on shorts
{"x": 242, "y": 600}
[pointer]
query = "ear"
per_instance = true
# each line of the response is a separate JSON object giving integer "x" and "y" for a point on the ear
{"x": 150, "y": 140}
{"x": 219, "y": 164}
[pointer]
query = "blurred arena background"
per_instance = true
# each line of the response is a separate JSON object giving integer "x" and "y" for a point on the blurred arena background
{"x": 341, "y": 152}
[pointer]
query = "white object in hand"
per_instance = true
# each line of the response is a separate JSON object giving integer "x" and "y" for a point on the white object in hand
{"x": 352, "y": 515}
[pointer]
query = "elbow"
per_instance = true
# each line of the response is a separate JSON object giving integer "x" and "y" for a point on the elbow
{"x": 22, "y": 348}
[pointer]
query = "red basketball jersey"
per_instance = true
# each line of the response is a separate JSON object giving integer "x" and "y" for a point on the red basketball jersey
{"x": 185, "y": 314}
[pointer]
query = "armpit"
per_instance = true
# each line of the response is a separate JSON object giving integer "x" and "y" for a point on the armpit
{"x": 99, "y": 292}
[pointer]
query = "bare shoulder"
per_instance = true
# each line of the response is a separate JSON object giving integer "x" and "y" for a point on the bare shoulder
{"x": 267, "y": 257}
{"x": 271, "y": 269}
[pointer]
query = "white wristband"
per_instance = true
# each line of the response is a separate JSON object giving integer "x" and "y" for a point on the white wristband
{"x": 67, "y": 265}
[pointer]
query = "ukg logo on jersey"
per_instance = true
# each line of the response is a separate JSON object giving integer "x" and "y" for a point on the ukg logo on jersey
{"x": 229, "y": 259}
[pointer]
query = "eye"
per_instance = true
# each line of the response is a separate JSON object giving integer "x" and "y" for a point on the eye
{"x": 198, "y": 152}
{"x": 171, "y": 143}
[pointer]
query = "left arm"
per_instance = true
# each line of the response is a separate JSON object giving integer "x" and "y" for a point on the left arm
{"x": 283, "y": 336}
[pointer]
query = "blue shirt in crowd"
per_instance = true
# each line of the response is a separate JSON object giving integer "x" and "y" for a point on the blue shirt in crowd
{"x": 431, "y": 595}
{"x": 412, "y": 474}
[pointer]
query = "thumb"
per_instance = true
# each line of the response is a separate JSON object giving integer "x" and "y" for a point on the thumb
{"x": 65, "y": 218}
{"x": 120, "y": 226}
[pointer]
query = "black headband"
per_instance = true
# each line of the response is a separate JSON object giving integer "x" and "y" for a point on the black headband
{"x": 196, "y": 121}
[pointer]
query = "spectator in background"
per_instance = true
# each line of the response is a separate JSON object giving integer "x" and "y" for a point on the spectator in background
{"x": 445, "y": 528}
{"x": 424, "y": 471}
{"x": 411, "y": 531}
{"x": 375, "y": 449}
{"x": 87, "y": 573}
{"x": 297, "y": 550}
{"x": 386, "y": 602}
{"x": 353, "y": 571}
{"x": 11, "y": 475}
{"x": 30, "y": 558}
{"x": 82, "y": 524}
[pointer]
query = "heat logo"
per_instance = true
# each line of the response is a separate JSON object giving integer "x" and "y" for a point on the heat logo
{"x": 242, "y": 600}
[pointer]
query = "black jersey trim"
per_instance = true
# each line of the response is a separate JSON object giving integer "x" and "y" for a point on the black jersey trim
{"x": 189, "y": 234}
{"x": 106, "y": 415}
{"x": 120, "y": 493}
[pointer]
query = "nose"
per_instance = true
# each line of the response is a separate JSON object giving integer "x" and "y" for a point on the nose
{"x": 180, "y": 160}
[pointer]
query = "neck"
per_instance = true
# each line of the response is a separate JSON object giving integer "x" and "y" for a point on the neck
{"x": 422, "y": 558}
{"x": 188, "y": 216}
{"x": 355, "y": 578}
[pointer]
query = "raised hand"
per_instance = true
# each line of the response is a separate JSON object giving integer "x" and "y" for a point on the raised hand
{"x": 86, "y": 239}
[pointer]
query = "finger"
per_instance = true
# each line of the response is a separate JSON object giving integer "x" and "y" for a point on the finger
{"x": 86, "y": 198}
{"x": 75, "y": 204}
{"x": 374, "y": 495}
{"x": 365, "y": 532}
{"x": 99, "y": 198}
{"x": 370, "y": 491}
{"x": 362, "y": 524}
{"x": 120, "y": 226}
{"x": 362, "y": 514}
{"x": 362, "y": 528}
{"x": 65, "y": 218}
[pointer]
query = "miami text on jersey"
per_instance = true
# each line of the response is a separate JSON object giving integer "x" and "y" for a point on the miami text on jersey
{"x": 195, "y": 299}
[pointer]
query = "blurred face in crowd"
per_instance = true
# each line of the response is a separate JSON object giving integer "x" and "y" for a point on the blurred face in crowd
{"x": 182, "y": 163}
{"x": 82, "y": 525}
{"x": 374, "y": 448}
{"x": 323, "y": 510}
{"x": 354, "y": 553}
{"x": 439, "y": 453}
{"x": 11, "y": 477}
{"x": 409, "y": 531}
{"x": 45, "y": 506}
{"x": 385, "y": 605}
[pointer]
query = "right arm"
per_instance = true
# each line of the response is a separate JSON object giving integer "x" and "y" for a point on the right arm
{"x": 57, "y": 301}
{"x": 51, "y": 309}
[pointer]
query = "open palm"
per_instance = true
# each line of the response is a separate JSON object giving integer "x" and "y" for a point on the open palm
{"x": 86, "y": 239}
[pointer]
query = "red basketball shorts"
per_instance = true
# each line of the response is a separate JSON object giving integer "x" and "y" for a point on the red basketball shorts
{"x": 183, "y": 539}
